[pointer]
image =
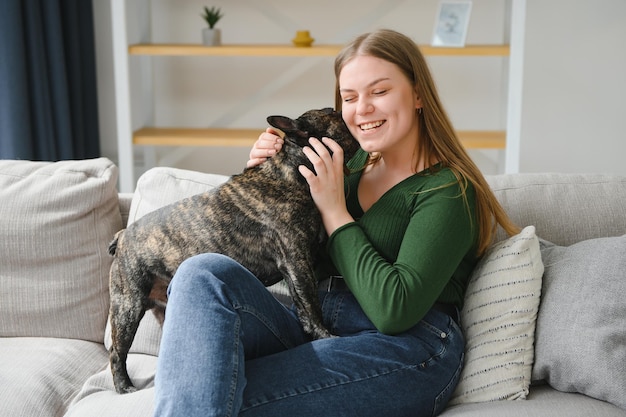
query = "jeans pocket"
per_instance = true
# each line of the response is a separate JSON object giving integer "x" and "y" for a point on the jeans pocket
{"x": 434, "y": 336}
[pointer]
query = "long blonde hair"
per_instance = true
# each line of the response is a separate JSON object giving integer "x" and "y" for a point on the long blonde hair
{"x": 437, "y": 139}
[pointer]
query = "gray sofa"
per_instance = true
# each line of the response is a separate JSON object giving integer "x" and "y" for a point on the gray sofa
{"x": 545, "y": 314}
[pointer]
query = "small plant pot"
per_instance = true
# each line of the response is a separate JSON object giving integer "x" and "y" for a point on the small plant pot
{"x": 211, "y": 37}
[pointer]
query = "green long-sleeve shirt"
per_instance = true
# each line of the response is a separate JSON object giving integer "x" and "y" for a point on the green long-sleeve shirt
{"x": 416, "y": 245}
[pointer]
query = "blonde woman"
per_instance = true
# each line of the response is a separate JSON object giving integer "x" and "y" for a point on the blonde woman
{"x": 405, "y": 228}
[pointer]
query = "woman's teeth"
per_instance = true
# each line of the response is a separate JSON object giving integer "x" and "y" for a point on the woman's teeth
{"x": 371, "y": 125}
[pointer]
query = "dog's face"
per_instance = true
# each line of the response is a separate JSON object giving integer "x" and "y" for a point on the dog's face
{"x": 317, "y": 123}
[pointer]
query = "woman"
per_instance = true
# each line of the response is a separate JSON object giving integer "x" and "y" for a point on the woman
{"x": 405, "y": 229}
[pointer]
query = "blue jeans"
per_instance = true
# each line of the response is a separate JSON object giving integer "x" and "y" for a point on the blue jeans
{"x": 229, "y": 348}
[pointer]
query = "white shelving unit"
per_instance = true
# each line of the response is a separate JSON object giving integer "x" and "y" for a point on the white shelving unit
{"x": 150, "y": 136}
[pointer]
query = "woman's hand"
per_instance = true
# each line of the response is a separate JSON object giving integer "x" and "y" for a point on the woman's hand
{"x": 327, "y": 182}
{"x": 266, "y": 146}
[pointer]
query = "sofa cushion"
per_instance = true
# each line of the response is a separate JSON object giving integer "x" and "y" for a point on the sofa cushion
{"x": 161, "y": 186}
{"x": 498, "y": 320}
{"x": 564, "y": 208}
{"x": 57, "y": 220}
{"x": 99, "y": 399}
{"x": 542, "y": 401}
{"x": 581, "y": 328}
{"x": 41, "y": 376}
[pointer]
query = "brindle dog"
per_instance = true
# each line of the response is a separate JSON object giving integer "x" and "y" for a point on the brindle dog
{"x": 264, "y": 218}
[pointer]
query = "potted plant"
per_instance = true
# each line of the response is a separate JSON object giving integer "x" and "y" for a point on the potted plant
{"x": 211, "y": 36}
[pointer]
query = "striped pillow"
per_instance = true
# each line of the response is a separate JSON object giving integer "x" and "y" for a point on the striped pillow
{"x": 498, "y": 320}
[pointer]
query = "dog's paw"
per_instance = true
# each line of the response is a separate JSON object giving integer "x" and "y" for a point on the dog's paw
{"x": 123, "y": 385}
{"x": 126, "y": 390}
{"x": 321, "y": 333}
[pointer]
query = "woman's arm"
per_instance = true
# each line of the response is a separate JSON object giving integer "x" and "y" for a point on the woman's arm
{"x": 396, "y": 294}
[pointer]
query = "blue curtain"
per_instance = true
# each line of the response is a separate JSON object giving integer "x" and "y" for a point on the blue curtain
{"x": 48, "y": 100}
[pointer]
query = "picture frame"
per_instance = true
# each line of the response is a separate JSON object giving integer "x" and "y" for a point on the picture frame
{"x": 451, "y": 23}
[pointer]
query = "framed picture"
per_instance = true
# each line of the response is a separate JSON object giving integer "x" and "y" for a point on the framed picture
{"x": 451, "y": 24}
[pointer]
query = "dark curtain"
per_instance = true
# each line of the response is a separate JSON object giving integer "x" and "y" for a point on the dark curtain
{"x": 48, "y": 101}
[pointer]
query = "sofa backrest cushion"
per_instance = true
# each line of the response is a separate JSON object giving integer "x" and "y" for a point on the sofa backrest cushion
{"x": 57, "y": 220}
{"x": 564, "y": 208}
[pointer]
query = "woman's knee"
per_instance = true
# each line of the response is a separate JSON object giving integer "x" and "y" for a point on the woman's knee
{"x": 214, "y": 262}
{"x": 199, "y": 269}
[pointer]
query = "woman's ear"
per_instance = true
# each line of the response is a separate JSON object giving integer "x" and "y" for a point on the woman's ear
{"x": 418, "y": 100}
{"x": 418, "y": 104}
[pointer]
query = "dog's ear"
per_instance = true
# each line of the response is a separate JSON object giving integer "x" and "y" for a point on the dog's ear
{"x": 287, "y": 125}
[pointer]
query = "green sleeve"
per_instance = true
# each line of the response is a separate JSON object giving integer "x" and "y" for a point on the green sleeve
{"x": 396, "y": 294}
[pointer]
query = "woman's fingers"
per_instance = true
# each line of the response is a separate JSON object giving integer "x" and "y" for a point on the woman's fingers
{"x": 322, "y": 156}
{"x": 266, "y": 146}
{"x": 327, "y": 167}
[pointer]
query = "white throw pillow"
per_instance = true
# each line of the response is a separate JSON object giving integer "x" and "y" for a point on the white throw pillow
{"x": 498, "y": 320}
{"x": 57, "y": 220}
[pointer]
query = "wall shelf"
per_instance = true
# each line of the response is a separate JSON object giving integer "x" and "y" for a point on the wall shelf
{"x": 289, "y": 50}
{"x": 152, "y": 136}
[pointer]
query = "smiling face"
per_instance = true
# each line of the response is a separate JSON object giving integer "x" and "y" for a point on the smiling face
{"x": 379, "y": 105}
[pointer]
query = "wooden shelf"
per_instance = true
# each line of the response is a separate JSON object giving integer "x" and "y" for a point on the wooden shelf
{"x": 195, "y": 137}
{"x": 483, "y": 139}
{"x": 289, "y": 50}
{"x": 471, "y": 139}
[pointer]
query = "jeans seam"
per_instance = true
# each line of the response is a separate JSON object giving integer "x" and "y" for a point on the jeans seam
{"x": 448, "y": 389}
{"x": 235, "y": 376}
{"x": 305, "y": 390}
{"x": 267, "y": 323}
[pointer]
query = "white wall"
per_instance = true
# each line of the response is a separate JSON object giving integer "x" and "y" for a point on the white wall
{"x": 105, "y": 81}
{"x": 200, "y": 91}
{"x": 574, "y": 92}
{"x": 574, "y": 61}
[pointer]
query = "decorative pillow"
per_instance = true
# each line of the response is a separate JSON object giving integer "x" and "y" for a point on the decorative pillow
{"x": 57, "y": 220}
{"x": 498, "y": 320}
{"x": 581, "y": 328}
{"x": 161, "y": 186}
